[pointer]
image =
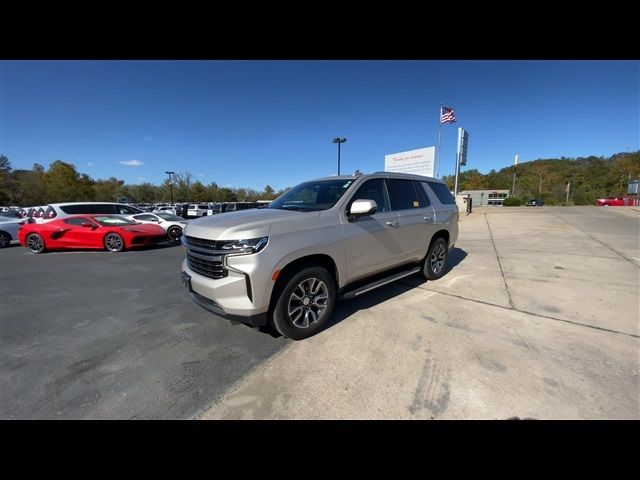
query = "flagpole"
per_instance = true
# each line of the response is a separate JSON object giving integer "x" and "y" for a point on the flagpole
{"x": 439, "y": 141}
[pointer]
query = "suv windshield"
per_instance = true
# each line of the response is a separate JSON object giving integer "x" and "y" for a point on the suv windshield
{"x": 312, "y": 196}
{"x": 113, "y": 220}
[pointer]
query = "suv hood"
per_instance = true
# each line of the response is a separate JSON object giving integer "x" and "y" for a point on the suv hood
{"x": 251, "y": 223}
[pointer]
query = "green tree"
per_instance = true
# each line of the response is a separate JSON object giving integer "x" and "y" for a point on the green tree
{"x": 108, "y": 190}
{"x": 5, "y": 180}
{"x": 198, "y": 192}
{"x": 64, "y": 184}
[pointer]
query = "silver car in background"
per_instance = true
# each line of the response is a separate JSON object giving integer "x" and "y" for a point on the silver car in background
{"x": 9, "y": 226}
{"x": 172, "y": 224}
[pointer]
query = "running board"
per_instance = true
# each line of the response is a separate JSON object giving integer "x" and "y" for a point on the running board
{"x": 378, "y": 283}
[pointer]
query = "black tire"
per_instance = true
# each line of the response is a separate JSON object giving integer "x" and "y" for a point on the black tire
{"x": 311, "y": 309}
{"x": 113, "y": 242}
{"x": 35, "y": 243}
{"x": 5, "y": 240}
{"x": 174, "y": 233}
{"x": 434, "y": 264}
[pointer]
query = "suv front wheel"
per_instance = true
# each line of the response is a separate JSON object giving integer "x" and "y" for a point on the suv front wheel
{"x": 305, "y": 303}
{"x": 435, "y": 262}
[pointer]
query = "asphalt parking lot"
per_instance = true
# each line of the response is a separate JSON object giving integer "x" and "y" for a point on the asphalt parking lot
{"x": 538, "y": 317}
{"x": 101, "y": 335}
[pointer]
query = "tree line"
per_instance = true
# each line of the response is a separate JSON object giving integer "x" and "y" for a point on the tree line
{"x": 61, "y": 182}
{"x": 590, "y": 177}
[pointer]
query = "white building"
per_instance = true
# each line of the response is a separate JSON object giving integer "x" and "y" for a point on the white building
{"x": 482, "y": 198}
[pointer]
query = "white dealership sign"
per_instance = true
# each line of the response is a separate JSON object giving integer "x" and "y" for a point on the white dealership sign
{"x": 417, "y": 162}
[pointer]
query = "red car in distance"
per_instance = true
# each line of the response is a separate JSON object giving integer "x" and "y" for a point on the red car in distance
{"x": 110, "y": 232}
{"x": 611, "y": 202}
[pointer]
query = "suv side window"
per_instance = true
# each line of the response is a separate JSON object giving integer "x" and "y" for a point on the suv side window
{"x": 403, "y": 195}
{"x": 422, "y": 194}
{"x": 442, "y": 192}
{"x": 75, "y": 209}
{"x": 103, "y": 208}
{"x": 125, "y": 210}
{"x": 372, "y": 190}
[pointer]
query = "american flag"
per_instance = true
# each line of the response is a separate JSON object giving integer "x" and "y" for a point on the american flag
{"x": 447, "y": 115}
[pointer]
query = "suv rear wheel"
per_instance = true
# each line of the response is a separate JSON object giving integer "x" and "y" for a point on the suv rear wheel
{"x": 435, "y": 262}
{"x": 305, "y": 303}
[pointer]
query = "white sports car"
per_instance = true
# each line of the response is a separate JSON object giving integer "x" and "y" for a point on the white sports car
{"x": 171, "y": 223}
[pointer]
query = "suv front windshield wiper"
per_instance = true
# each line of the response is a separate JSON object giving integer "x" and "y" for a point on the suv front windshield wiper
{"x": 296, "y": 208}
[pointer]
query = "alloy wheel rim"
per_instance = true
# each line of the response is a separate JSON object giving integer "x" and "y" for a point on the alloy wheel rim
{"x": 114, "y": 242}
{"x": 4, "y": 240}
{"x": 438, "y": 258}
{"x": 175, "y": 233}
{"x": 34, "y": 243}
{"x": 308, "y": 302}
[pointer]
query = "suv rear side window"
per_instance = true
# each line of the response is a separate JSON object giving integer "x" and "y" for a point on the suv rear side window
{"x": 442, "y": 192}
{"x": 403, "y": 195}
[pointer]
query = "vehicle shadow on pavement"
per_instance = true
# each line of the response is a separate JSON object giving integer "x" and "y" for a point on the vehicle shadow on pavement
{"x": 344, "y": 309}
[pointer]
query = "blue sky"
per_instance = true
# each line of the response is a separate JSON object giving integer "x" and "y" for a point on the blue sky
{"x": 253, "y": 123}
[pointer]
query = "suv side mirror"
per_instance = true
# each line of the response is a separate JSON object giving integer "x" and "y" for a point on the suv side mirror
{"x": 361, "y": 208}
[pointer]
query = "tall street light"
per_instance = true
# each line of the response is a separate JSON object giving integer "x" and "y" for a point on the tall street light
{"x": 339, "y": 140}
{"x": 171, "y": 184}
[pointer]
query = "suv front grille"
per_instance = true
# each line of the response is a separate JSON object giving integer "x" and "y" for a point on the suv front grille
{"x": 208, "y": 265}
{"x": 202, "y": 243}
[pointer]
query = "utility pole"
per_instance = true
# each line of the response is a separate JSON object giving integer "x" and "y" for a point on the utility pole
{"x": 568, "y": 189}
{"x": 515, "y": 169}
{"x": 540, "y": 185}
{"x": 171, "y": 184}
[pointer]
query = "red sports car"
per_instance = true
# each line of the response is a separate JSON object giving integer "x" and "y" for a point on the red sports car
{"x": 111, "y": 232}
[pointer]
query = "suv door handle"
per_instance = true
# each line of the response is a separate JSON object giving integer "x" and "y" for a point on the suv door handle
{"x": 428, "y": 218}
{"x": 391, "y": 223}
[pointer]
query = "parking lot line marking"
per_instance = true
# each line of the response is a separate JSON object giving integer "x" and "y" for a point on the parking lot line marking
{"x": 596, "y": 240}
{"x": 524, "y": 311}
{"x": 499, "y": 263}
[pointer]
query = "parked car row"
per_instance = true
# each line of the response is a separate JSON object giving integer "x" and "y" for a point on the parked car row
{"x": 112, "y": 226}
{"x": 92, "y": 231}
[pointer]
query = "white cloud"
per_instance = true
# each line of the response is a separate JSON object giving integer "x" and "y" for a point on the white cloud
{"x": 131, "y": 163}
{"x": 89, "y": 164}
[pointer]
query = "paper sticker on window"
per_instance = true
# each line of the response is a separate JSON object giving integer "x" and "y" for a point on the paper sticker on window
{"x": 416, "y": 204}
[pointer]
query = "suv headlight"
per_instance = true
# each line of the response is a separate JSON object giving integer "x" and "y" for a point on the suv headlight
{"x": 245, "y": 247}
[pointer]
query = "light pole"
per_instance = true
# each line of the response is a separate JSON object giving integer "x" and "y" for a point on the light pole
{"x": 339, "y": 140}
{"x": 171, "y": 184}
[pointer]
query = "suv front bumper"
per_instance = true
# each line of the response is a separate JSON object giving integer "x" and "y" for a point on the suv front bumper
{"x": 232, "y": 287}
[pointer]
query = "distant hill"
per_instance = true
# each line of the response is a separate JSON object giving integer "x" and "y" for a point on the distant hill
{"x": 591, "y": 178}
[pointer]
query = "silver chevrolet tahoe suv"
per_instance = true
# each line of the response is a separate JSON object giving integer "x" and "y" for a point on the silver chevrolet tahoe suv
{"x": 321, "y": 241}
